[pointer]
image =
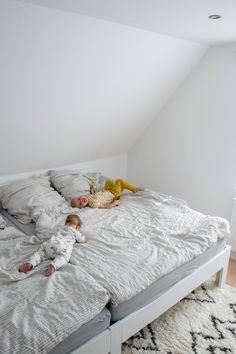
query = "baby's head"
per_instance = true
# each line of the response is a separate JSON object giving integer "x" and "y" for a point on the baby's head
{"x": 73, "y": 221}
{"x": 79, "y": 202}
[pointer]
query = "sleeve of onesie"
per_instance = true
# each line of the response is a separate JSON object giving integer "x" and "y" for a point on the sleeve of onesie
{"x": 79, "y": 237}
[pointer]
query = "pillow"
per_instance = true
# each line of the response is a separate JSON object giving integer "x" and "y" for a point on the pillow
{"x": 70, "y": 183}
{"x": 23, "y": 197}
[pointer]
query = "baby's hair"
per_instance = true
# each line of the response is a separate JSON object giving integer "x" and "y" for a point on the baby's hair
{"x": 74, "y": 216}
{"x": 73, "y": 202}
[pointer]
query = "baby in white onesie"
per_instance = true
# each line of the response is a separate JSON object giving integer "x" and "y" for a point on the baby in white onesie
{"x": 58, "y": 248}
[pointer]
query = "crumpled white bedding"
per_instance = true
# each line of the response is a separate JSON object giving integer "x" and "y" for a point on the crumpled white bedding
{"x": 37, "y": 312}
{"x": 131, "y": 246}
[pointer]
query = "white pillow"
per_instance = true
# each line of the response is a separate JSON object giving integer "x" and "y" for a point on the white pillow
{"x": 70, "y": 183}
{"x": 23, "y": 197}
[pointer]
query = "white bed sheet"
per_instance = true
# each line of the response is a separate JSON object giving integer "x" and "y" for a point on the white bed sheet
{"x": 131, "y": 246}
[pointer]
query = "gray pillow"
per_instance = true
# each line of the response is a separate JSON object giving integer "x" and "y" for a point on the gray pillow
{"x": 21, "y": 199}
{"x": 70, "y": 183}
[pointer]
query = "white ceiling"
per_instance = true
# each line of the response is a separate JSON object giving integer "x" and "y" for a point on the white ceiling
{"x": 186, "y": 19}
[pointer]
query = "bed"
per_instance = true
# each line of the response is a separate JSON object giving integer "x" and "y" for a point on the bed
{"x": 145, "y": 292}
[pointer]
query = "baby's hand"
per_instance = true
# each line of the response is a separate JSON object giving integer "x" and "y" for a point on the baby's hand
{"x": 50, "y": 269}
{"x": 82, "y": 239}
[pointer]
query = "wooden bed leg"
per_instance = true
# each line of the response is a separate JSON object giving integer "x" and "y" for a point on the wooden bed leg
{"x": 222, "y": 273}
{"x": 116, "y": 338}
{"x": 220, "y": 277}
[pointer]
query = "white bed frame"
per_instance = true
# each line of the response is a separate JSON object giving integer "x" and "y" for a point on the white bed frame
{"x": 110, "y": 341}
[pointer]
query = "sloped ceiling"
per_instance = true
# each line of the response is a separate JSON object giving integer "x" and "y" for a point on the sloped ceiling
{"x": 77, "y": 88}
{"x": 183, "y": 18}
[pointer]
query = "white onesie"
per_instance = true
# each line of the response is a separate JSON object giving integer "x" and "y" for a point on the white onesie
{"x": 59, "y": 247}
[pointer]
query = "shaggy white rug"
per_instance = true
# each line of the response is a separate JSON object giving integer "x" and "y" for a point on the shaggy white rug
{"x": 204, "y": 322}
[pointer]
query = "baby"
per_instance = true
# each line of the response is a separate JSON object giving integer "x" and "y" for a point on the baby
{"x": 106, "y": 199}
{"x": 59, "y": 247}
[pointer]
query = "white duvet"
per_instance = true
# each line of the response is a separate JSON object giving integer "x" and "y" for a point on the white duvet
{"x": 37, "y": 312}
{"x": 131, "y": 246}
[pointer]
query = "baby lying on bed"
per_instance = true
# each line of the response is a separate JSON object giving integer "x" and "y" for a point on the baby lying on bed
{"x": 106, "y": 199}
{"x": 59, "y": 247}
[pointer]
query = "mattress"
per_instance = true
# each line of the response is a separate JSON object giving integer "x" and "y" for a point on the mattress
{"x": 28, "y": 229}
{"x": 162, "y": 284}
{"x": 89, "y": 330}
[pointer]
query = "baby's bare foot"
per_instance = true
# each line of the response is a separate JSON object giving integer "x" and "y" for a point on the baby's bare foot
{"x": 139, "y": 189}
{"x": 25, "y": 267}
{"x": 51, "y": 269}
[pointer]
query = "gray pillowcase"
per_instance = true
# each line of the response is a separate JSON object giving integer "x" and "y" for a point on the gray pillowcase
{"x": 23, "y": 198}
{"x": 70, "y": 183}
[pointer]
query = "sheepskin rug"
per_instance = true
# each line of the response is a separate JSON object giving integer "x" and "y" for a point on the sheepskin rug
{"x": 204, "y": 322}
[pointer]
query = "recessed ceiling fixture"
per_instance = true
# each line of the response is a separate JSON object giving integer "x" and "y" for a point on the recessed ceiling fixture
{"x": 214, "y": 17}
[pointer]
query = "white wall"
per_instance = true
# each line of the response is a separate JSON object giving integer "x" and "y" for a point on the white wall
{"x": 75, "y": 88}
{"x": 190, "y": 149}
{"x": 113, "y": 166}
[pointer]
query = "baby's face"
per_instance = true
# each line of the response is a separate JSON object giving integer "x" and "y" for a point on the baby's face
{"x": 80, "y": 202}
{"x": 73, "y": 223}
